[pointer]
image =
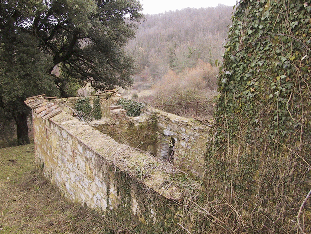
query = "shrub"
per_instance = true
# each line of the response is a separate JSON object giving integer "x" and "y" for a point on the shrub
{"x": 132, "y": 108}
{"x": 84, "y": 108}
{"x": 83, "y": 105}
{"x": 190, "y": 93}
{"x": 97, "y": 112}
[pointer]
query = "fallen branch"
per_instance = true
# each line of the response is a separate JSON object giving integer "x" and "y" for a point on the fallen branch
{"x": 300, "y": 211}
{"x": 214, "y": 218}
{"x": 184, "y": 228}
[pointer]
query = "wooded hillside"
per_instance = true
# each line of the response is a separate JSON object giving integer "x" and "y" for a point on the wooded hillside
{"x": 178, "y": 39}
{"x": 178, "y": 56}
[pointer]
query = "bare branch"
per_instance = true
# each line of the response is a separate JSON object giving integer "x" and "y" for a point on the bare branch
{"x": 300, "y": 211}
{"x": 184, "y": 228}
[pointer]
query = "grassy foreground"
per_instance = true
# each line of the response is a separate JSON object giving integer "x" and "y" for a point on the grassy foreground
{"x": 31, "y": 204}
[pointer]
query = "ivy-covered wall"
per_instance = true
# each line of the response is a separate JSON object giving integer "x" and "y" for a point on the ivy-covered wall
{"x": 259, "y": 159}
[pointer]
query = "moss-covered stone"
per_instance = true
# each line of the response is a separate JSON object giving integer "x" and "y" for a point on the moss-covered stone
{"x": 127, "y": 184}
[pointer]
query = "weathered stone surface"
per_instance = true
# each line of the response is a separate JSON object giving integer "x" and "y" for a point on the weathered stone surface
{"x": 174, "y": 139}
{"x": 92, "y": 168}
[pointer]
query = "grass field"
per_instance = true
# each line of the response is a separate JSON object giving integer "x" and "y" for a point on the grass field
{"x": 31, "y": 204}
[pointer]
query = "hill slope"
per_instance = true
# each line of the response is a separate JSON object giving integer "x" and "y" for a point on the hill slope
{"x": 178, "y": 39}
{"x": 177, "y": 55}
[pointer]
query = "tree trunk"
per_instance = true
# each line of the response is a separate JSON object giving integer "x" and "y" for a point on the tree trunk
{"x": 22, "y": 129}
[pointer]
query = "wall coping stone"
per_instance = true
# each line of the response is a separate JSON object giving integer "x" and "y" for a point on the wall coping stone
{"x": 153, "y": 172}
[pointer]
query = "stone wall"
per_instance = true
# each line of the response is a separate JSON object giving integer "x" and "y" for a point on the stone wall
{"x": 92, "y": 168}
{"x": 154, "y": 131}
{"x": 189, "y": 137}
{"x": 178, "y": 140}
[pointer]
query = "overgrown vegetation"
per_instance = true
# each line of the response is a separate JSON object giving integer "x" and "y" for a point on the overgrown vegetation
{"x": 133, "y": 108}
{"x": 87, "y": 112}
{"x": 190, "y": 93}
{"x": 258, "y": 162}
{"x": 49, "y": 47}
{"x": 83, "y": 105}
{"x": 143, "y": 136}
{"x": 97, "y": 112}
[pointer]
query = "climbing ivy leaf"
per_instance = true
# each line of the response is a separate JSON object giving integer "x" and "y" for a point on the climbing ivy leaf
{"x": 259, "y": 159}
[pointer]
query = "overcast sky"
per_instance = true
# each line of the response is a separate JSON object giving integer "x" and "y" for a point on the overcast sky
{"x": 161, "y": 6}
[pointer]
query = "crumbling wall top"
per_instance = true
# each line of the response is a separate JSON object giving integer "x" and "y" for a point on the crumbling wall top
{"x": 160, "y": 176}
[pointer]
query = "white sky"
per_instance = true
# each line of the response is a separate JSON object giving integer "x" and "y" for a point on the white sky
{"x": 161, "y": 6}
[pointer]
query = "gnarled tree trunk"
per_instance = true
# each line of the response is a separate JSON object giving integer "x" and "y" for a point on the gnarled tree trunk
{"x": 22, "y": 128}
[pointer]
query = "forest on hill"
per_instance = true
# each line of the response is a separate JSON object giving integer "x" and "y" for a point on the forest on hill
{"x": 178, "y": 39}
{"x": 178, "y": 54}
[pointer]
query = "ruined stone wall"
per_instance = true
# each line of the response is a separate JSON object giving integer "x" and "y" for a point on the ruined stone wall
{"x": 155, "y": 131}
{"x": 91, "y": 168}
{"x": 189, "y": 137}
{"x": 136, "y": 187}
{"x": 178, "y": 140}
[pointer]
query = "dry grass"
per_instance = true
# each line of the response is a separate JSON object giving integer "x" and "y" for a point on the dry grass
{"x": 190, "y": 93}
{"x": 30, "y": 204}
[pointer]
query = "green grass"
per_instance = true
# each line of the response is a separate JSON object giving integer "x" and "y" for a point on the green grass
{"x": 29, "y": 203}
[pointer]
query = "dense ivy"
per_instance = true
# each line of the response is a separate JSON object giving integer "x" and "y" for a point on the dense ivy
{"x": 259, "y": 159}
